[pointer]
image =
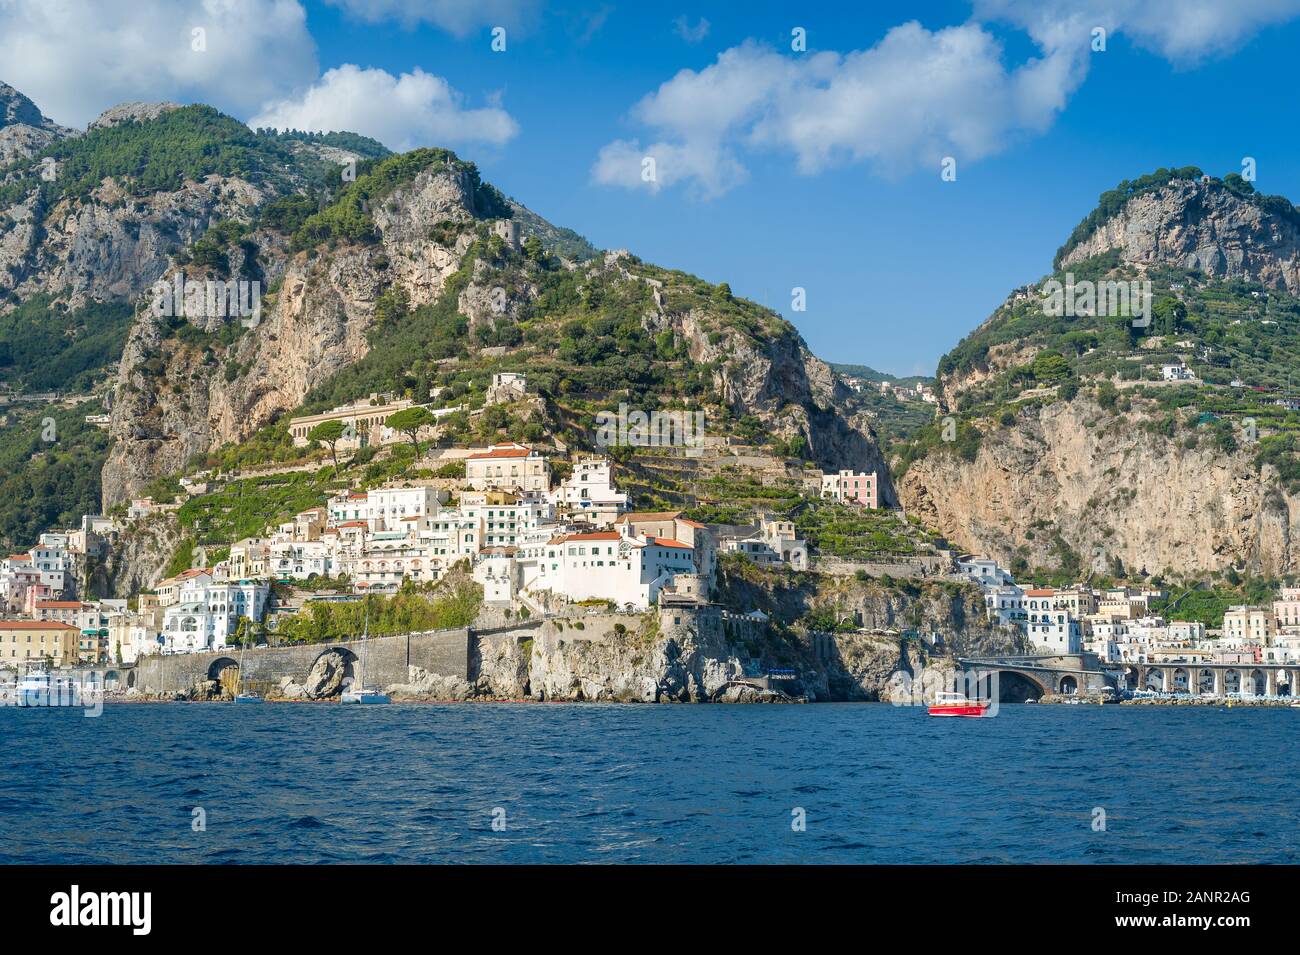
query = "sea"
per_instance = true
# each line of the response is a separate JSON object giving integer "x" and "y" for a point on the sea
{"x": 591, "y": 783}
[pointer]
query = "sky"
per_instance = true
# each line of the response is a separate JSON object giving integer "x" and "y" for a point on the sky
{"x": 775, "y": 147}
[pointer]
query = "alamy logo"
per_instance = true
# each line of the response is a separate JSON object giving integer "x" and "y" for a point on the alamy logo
{"x": 103, "y": 908}
{"x": 656, "y": 429}
{"x": 1109, "y": 299}
{"x": 208, "y": 299}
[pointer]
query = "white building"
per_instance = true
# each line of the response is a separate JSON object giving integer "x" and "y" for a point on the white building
{"x": 589, "y": 493}
{"x": 1050, "y": 628}
{"x": 775, "y": 542}
{"x": 984, "y": 571}
{"x": 607, "y": 565}
{"x": 385, "y": 508}
{"x": 506, "y": 386}
{"x": 508, "y": 467}
{"x": 207, "y": 613}
{"x": 1005, "y": 605}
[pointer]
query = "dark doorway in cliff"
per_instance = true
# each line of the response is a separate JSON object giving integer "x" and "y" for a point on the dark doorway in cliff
{"x": 1017, "y": 688}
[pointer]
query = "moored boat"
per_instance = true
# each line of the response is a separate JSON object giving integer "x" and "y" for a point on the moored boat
{"x": 956, "y": 704}
{"x": 38, "y": 687}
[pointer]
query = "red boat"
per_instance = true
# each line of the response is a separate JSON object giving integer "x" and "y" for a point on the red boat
{"x": 956, "y": 704}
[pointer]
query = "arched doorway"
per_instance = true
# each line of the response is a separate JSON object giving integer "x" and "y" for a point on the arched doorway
{"x": 1069, "y": 686}
{"x": 1131, "y": 678}
{"x": 1258, "y": 683}
{"x": 1182, "y": 681}
{"x": 1231, "y": 681}
{"x": 1015, "y": 687}
{"x": 112, "y": 680}
{"x": 226, "y": 672}
{"x": 1284, "y": 678}
{"x": 1205, "y": 681}
{"x": 1155, "y": 680}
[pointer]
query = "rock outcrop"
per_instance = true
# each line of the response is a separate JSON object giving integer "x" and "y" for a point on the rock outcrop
{"x": 1201, "y": 226}
{"x": 1072, "y": 476}
{"x": 24, "y": 131}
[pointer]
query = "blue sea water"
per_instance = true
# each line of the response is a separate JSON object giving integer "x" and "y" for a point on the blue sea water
{"x": 586, "y": 783}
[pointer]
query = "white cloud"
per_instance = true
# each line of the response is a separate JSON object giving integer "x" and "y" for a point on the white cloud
{"x": 691, "y": 34}
{"x": 1185, "y": 32}
{"x": 913, "y": 98}
{"x": 414, "y": 109}
{"x": 709, "y": 168}
{"x": 458, "y": 17}
{"x": 76, "y": 58}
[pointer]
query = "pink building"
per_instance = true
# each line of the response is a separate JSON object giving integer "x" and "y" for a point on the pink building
{"x": 850, "y": 488}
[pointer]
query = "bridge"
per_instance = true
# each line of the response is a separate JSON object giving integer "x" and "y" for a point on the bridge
{"x": 1021, "y": 678}
{"x": 1212, "y": 679}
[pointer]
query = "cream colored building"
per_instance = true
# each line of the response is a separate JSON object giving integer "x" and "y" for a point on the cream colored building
{"x": 366, "y": 417}
{"x": 508, "y": 467}
{"x": 27, "y": 641}
{"x": 1251, "y": 624}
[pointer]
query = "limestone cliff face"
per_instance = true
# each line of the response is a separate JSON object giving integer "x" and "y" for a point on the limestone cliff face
{"x": 24, "y": 131}
{"x": 135, "y": 562}
{"x": 1204, "y": 226}
{"x": 1110, "y": 489}
{"x": 111, "y": 244}
{"x": 175, "y": 398}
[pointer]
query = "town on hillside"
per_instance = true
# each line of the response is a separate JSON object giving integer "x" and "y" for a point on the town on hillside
{"x": 1154, "y": 654}
{"x": 535, "y": 544}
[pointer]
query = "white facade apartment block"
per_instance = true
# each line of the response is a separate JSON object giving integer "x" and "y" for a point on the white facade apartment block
{"x": 207, "y": 614}
{"x": 508, "y": 467}
{"x": 1006, "y": 605}
{"x": 384, "y": 509}
{"x": 608, "y": 566}
{"x": 1249, "y": 624}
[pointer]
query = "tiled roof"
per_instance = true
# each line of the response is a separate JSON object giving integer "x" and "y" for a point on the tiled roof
{"x": 648, "y": 516}
{"x": 668, "y": 542}
{"x": 34, "y": 625}
{"x": 502, "y": 452}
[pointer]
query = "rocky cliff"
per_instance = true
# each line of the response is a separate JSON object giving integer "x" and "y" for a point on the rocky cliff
{"x": 1166, "y": 476}
{"x": 1203, "y": 226}
{"x": 1070, "y": 480}
{"x": 24, "y": 131}
{"x": 188, "y": 385}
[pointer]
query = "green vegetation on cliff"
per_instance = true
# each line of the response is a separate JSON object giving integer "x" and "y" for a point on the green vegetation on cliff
{"x": 47, "y": 483}
{"x": 453, "y": 603}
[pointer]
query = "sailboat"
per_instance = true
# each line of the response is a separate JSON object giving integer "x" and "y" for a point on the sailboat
{"x": 357, "y": 691}
{"x": 242, "y": 697}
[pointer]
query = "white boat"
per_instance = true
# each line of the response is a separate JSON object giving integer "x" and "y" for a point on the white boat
{"x": 242, "y": 697}
{"x": 38, "y": 687}
{"x": 357, "y": 691}
{"x": 361, "y": 695}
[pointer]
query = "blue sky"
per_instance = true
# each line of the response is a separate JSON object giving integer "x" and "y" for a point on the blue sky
{"x": 771, "y": 173}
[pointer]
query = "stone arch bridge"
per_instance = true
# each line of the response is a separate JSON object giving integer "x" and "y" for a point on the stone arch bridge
{"x": 1021, "y": 678}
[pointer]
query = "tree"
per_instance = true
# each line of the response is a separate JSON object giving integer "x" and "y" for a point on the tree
{"x": 409, "y": 421}
{"x": 331, "y": 433}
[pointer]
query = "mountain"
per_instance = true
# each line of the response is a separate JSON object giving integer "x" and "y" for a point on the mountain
{"x": 1065, "y": 446}
{"x": 24, "y": 131}
{"x": 404, "y": 274}
{"x": 867, "y": 373}
{"x": 408, "y": 280}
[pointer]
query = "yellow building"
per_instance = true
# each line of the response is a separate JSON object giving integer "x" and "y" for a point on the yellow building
{"x": 27, "y": 641}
